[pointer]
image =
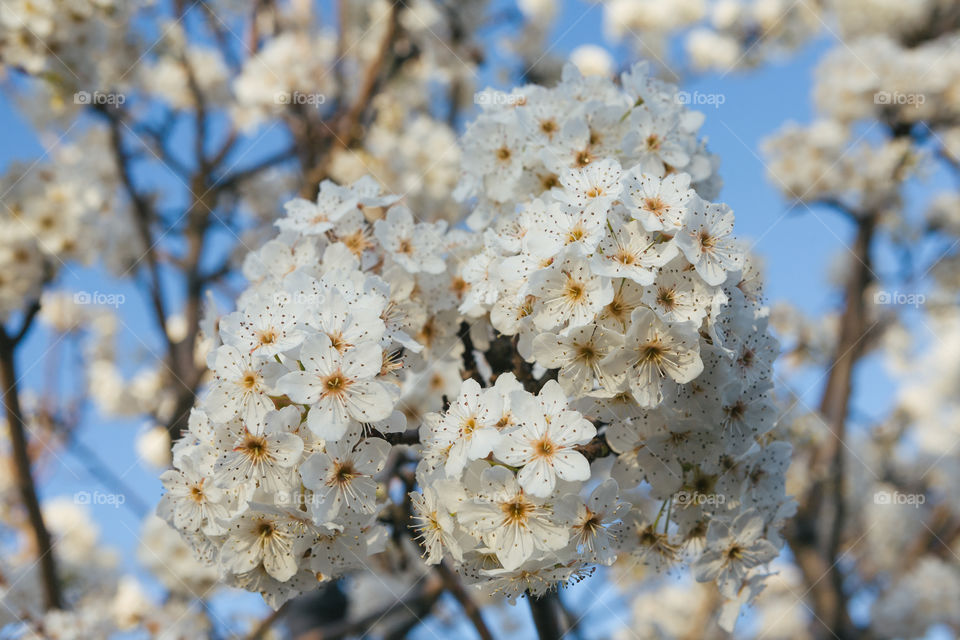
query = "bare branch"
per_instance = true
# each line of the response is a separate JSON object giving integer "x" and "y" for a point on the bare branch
{"x": 52, "y": 595}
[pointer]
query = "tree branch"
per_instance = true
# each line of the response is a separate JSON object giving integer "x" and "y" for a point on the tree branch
{"x": 52, "y": 595}
{"x": 420, "y": 602}
{"x": 546, "y": 615}
{"x": 261, "y": 629}
{"x": 455, "y": 586}
{"x": 818, "y": 550}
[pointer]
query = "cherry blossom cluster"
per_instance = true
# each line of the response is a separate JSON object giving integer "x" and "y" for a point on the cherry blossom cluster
{"x": 618, "y": 278}
{"x": 275, "y": 478}
{"x": 877, "y": 77}
{"x": 585, "y": 375}
{"x": 107, "y": 601}
{"x": 717, "y": 34}
{"x": 65, "y": 40}
{"x": 56, "y": 212}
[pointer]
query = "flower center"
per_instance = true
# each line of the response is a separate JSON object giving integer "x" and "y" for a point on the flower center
{"x": 652, "y": 352}
{"x": 266, "y": 336}
{"x": 586, "y": 352}
{"x": 735, "y": 411}
{"x": 616, "y": 308}
{"x": 517, "y": 511}
{"x": 544, "y": 448}
{"x": 575, "y": 234}
{"x": 265, "y": 529}
{"x": 549, "y": 181}
{"x": 592, "y": 524}
{"x": 575, "y": 291}
{"x": 343, "y": 474}
{"x": 337, "y": 341}
{"x": 254, "y": 447}
{"x": 655, "y": 206}
{"x": 666, "y": 298}
{"x": 706, "y": 240}
{"x": 357, "y": 242}
{"x": 249, "y": 380}
{"x": 335, "y": 384}
{"x": 459, "y": 286}
{"x": 196, "y": 492}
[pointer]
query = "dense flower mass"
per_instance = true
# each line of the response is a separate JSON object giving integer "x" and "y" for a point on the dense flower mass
{"x": 582, "y": 373}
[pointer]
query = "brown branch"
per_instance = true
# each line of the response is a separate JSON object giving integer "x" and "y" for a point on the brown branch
{"x": 346, "y": 130}
{"x": 26, "y": 323}
{"x": 499, "y": 355}
{"x": 238, "y": 176}
{"x": 143, "y": 216}
{"x": 52, "y": 595}
{"x": 261, "y": 629}
{"x": 596, "y": 448}
{"x": 409, "y": 437}
{"x": 816, "y": 533}
{"x": 420, "y": 603}
{"x": 546, "y": 615}
{"x": 455, "y": 586}
{"x": 418, "y": 611}
{"x": 215, "y": 25}
{"x": 469, "y": 358}
{"x": 368, "y": 84}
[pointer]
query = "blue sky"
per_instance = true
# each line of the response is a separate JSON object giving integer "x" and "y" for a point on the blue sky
{"x": 796, "y": 249}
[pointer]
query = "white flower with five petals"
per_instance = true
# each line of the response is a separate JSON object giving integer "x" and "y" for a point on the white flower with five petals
{"x": 339, "y": 387}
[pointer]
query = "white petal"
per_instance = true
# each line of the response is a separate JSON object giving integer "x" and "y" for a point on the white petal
{"x": 300, "y": 386}
{"x": 538, "y": 478}
{"x": 370, "y": 455}
{"x": 571, "y": 466}
{"x": 363, "y": 361}
{"x": 369, "y": 401}
{"x": 325, "y": 421}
